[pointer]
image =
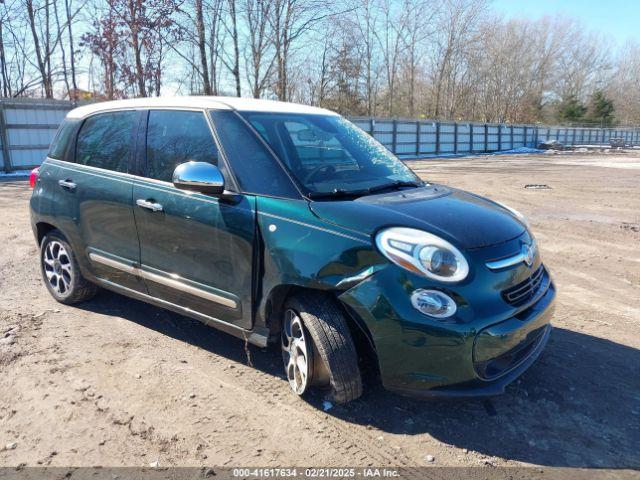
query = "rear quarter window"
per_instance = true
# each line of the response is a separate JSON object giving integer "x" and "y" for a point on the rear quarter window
{"x": 59, "y": 148}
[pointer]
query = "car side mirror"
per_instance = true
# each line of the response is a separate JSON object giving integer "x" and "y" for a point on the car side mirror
{"x": 200, "y": 177}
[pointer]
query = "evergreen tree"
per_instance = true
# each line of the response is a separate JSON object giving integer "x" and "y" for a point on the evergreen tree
{"x": 601, "y": 109}
{"x": 571, "y": 110}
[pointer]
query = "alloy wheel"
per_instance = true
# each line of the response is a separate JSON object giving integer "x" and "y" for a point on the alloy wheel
{"x": 296, "y": 352}
{"x": 58, "y": 267}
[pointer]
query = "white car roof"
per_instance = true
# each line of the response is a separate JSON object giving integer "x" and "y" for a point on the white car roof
{"x": 218, "y": 103}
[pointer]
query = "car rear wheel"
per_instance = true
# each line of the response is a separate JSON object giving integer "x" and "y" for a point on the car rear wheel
{"x": 317, "y": 348}
{"x": 60, "y": 271}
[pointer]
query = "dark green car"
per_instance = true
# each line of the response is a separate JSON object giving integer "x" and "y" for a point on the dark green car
{"x": 280, "y": 223}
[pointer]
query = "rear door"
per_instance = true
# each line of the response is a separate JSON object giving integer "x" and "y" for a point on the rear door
{"x": 97, "y": 192}
{"x": 196, "y": 250}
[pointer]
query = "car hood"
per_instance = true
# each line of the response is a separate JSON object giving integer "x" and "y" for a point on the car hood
{"x": 467, "y": 220}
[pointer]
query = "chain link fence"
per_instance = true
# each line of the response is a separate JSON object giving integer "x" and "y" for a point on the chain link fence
{"x": 27, "y": 126}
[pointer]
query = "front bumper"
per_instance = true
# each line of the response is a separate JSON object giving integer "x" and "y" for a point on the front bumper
{"x": 477, "y": 355}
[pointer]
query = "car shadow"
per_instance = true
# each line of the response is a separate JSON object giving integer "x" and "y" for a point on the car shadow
{"x": 186, "y": 330}
{"x": 577, "y": 406}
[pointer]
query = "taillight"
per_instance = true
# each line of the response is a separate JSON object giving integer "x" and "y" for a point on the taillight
{"x": 33, "y": 177}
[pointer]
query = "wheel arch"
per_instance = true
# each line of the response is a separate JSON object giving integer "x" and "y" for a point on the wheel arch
{"x": 42, "y": 228}
{"x": 274, "y": 312}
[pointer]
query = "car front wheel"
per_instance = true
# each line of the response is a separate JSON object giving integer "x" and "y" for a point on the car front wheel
{"x": 317, "y": 348}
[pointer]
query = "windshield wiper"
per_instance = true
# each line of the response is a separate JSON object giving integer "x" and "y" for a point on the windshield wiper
{"x": 395, "y": 185}
{"x": 338, "y": 193}
{"x": 341, "y": 192}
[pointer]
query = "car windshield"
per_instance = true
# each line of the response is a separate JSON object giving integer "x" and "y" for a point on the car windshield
{"x": 329, "y": 156}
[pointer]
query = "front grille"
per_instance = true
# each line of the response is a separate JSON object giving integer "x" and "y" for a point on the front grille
{"x": 521, "y": 293}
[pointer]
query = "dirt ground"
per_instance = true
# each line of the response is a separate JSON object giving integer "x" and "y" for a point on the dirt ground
{"x": 118, "y": 382}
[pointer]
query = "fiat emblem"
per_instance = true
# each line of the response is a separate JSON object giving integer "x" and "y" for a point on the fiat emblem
{"x": 528, "y": 254}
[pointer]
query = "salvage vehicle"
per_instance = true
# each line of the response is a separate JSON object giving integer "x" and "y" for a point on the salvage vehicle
{"x": 286, "y": 224}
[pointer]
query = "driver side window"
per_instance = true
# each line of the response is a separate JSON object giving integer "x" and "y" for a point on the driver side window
{"x": 175, "y": 137}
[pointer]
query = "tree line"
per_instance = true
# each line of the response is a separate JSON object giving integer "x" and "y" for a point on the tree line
{"x": 444, "y": 59}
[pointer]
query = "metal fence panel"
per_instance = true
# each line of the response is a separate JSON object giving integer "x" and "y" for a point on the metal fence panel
{"x": 440, "y": 137}
{"x": 27, "y": 126}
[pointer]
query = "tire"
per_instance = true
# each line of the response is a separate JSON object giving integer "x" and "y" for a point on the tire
{"x": 333, "y": 359}
{"x": 60, "y": 271}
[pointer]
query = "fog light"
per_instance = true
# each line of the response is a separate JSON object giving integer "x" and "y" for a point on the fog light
{"x": 433, "y": 303}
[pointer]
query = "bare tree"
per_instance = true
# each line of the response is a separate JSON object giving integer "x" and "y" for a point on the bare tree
{"x": 442, "y": 58}
{"x": 21, "y": 75}
{"x": 625, "y": 86}
{"x": 290, "y": 20}
{"x": 198, "y": 27}
{"x": 202, "y": 48}
{"x": 6, "y": 85}
{"x": 149, "y": 27}
{"x": 72, "y": 53}
{"x": 63, "y": 55}
{"x": 259, "y": 58}
{"x": 216, "y": 43}
{"x": 105, "y": 42}
{"x": 419, "y": 26}
{"x": 39, "y": 17}
{"x": 389, "y": 37}
{"x": 364, "y": 23}
{"x": 231, "y": 60}
{"x": 458, "y": 22}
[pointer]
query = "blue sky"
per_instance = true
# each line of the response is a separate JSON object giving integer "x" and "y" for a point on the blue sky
{"x": 619, "y": 19}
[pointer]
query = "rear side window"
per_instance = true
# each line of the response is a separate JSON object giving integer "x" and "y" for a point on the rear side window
{"x": 60, "y": 144}
{"x": 104, "y": 141}
{"x": 256, "y": 170}
{"x": 175, "y": 137}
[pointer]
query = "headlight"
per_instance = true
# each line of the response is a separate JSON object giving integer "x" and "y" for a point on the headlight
{"x": 516, "y": 214}
{"x": 423, "y": 253}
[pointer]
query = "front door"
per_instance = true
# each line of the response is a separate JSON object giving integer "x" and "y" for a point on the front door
{"x": 196, "y": 251}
